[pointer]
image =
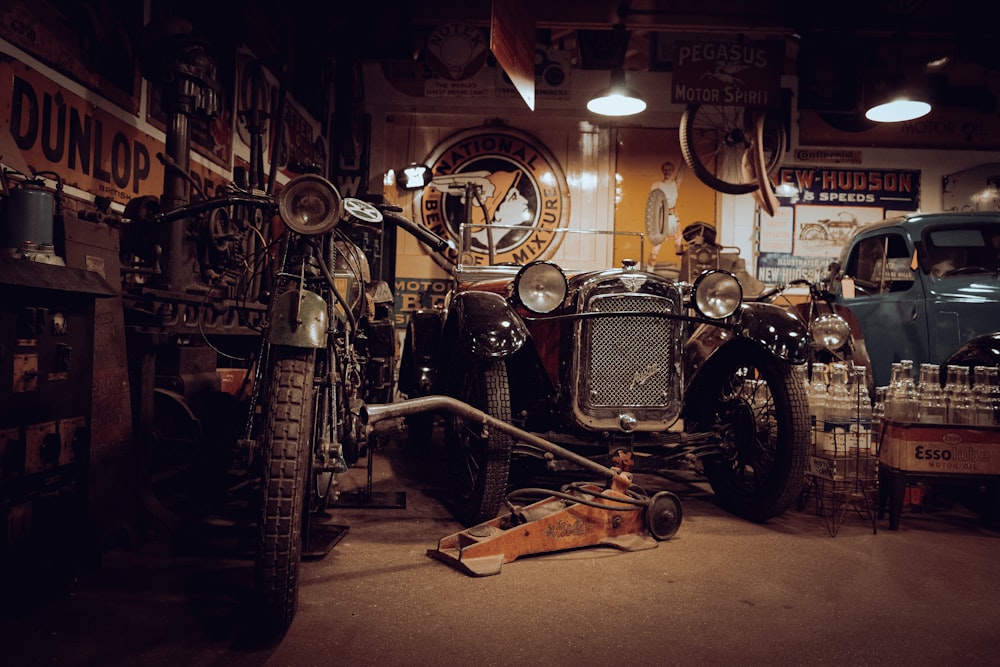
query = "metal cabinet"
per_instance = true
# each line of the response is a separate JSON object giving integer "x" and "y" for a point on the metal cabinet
{"x": 46, "y": 364}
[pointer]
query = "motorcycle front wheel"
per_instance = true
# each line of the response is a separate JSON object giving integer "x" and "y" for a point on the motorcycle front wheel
{"x": 285, "y": 446}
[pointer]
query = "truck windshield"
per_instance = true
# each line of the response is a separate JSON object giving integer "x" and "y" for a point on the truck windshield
{"x": 957, "y": 251}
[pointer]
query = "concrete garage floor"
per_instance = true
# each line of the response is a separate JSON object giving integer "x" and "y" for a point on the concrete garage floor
{"x": 722, "y": 592}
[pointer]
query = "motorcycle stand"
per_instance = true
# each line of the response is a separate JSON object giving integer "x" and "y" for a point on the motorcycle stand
{"x": 369, "y": 499}
{"x": 322, "y": 536}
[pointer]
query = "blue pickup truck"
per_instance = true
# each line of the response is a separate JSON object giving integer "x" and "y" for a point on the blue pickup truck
{"x": 924, "y": 287}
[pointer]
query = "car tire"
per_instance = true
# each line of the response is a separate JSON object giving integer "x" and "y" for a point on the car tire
{"x": 753, "y": 402}
{"x": 478, "y": 467}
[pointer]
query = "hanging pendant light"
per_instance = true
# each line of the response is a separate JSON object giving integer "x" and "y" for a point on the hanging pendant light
{"x": 617, "y": 99}
{"x": 898, "y": 107}
{"x": 902, "y": 97}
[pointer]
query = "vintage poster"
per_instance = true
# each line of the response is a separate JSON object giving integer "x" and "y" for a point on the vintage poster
{"x": 657, "y": 195}
{"x": 94, "y": 44}
{"x": 830, "y": 203}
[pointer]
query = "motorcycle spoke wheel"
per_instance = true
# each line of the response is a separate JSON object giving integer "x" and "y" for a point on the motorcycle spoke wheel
{"x": 718, "y": 144}
{"x": 285, "y": 445}
{"x": 758, "y": 409}
{"x": 478, "y": 461}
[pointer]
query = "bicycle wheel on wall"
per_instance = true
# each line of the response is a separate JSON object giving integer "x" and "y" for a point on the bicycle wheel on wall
{"x": 716, "y": 142}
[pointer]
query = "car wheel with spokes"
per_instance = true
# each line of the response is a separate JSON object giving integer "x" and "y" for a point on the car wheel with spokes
{"x": 758, "y": 409}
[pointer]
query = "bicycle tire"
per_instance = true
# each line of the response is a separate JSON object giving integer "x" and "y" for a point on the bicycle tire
{"x": 715, "y": 141}
{"x": 757, "y": 157}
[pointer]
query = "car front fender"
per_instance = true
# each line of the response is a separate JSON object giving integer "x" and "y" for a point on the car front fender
{"x": 417, "y": 366}
{"x": 979, "y": 351}
{"x": 484, "y": 325}
{"x": 772, "y": 327}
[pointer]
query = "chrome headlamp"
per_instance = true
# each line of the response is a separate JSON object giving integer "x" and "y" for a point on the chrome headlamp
{"x": 310, "y": 205}
{"x": 540, "y": 287}
{"x": 830, "y": 331}
{"x": 717, "y": 294}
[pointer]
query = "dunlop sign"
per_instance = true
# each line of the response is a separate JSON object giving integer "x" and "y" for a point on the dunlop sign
{"x": 56, "y": 130}
{"x": 728, "y": 73}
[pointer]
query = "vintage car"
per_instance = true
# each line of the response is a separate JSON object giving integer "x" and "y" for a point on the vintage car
{"x": 628, "y": 368}
{"x": 922, "y": 286}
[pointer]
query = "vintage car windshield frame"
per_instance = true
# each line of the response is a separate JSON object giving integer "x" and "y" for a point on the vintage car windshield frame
{"x": 468, "y": 252}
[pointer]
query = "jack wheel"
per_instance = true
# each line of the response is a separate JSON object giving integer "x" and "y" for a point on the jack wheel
{"x": 663, "y": 515}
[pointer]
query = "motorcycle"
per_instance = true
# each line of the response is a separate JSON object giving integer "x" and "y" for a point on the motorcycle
{"x": 284, "y": 277}
{"x": 834, "y": 332}
{"x": 327, "y": 347}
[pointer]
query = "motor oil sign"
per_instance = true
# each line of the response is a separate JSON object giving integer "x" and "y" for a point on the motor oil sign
{"x": 941, "y": 449}
{"x": 728, "y": 73}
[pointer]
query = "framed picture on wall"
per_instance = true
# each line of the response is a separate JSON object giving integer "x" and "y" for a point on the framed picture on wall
{"x": 93, "y": 43}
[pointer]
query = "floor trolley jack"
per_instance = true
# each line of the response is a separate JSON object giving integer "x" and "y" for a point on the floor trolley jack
{"x": 580, "y": 515}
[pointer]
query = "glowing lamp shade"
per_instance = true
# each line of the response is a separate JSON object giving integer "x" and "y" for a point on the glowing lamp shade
{"x": 618, "y": 99}
{"x": 898, "y": 109}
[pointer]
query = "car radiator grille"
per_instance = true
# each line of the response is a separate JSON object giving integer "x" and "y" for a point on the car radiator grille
{"x": 629, "y": 361}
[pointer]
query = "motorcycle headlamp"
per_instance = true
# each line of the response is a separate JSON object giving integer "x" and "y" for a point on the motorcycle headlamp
{"x": 310, "y": 205}
{"x": 717, "y": 294}
{"x": 540, "y": 287}
{"x": 830, "y": 331}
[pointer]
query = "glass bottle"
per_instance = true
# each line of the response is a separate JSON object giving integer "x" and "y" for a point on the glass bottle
{"x": 817, "y": 404}
{"x": 861, "y": 414}
{"x": 892, "y": 392}
{"x": 958, "y": 397}
{"x": 986, "y": 395}
{"x": 904, "y": 397}
{"x": 878, "y": 416}
{"x": 839, "y": 411}
{"x": 932, "y": 407}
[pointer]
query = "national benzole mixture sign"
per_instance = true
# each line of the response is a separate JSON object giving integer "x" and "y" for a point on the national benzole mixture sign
{"x": 519, "y": 183}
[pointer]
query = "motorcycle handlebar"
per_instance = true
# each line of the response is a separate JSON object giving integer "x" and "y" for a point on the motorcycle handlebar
{"x": 421, "y": 233}
{"x": 196, "y": 208}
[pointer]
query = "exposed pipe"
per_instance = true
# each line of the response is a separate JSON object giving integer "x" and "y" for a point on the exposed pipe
{"x": 370, "y": 414}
